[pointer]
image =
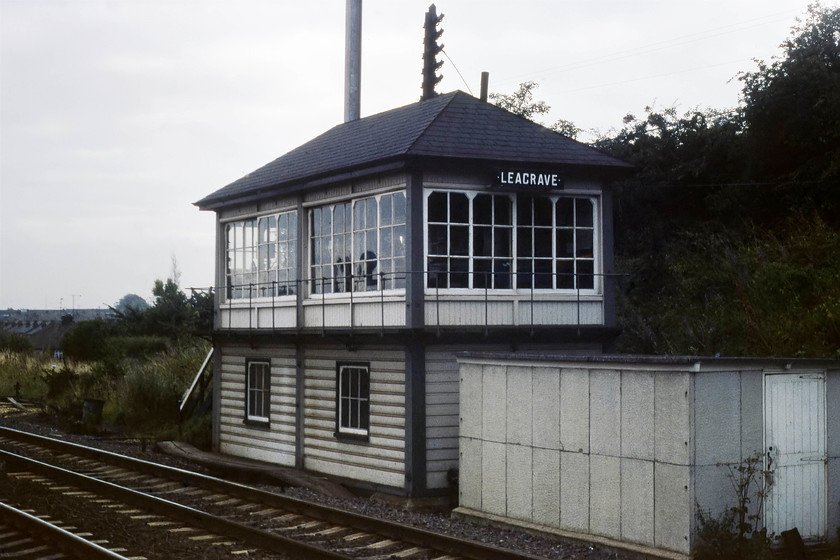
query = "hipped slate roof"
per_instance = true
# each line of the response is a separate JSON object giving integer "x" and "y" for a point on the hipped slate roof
{"x": 453, "y": 126}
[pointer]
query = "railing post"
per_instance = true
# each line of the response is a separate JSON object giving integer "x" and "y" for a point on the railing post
{"x": 437, "y": 301}
{"x": 486, "y": 304}
{"x": 533, "y": 281}
{"x": 273, "y": 305}
{"x": 323, "y": 307}
{"x": 250, "y": 307}
{"x": 352, "y": 287}
{"x": 382, "y": 303}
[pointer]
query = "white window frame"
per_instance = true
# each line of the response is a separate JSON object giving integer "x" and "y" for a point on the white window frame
{"x": 352, "y": 399}
{"x": 362, "y": 228}
{"x": 552, "y": 231}
{"x": 258, "y": 390}
{"x": 259, "y": 262}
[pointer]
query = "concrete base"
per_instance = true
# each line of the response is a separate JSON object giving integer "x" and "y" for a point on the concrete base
{"x": 473, "y": 515}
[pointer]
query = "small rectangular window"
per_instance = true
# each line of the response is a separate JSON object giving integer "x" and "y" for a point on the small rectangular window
{"x": 352, "y": 400}
{"x": 258, "y": 391}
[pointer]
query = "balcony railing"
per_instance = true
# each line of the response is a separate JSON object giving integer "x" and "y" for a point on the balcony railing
{"x": 356, "y": 302}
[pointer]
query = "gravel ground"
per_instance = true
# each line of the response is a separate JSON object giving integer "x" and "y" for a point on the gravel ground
{"x": 538, "y": 545}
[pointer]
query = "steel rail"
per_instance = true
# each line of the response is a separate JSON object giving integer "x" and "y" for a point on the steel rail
{"x": 197, "y": 518}
{"x": 55, "y": 536}
{"x": 468, "y": 549}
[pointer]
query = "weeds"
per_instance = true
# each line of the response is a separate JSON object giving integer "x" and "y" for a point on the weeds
{"x": 737, "y": 533}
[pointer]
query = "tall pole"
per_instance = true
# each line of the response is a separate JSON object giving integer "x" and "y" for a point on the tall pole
{"x": 353, "y": 61}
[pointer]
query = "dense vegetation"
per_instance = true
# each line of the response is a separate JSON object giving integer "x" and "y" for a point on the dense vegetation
{"x": 137, "y": 366}
{"x": 728, "y": 233}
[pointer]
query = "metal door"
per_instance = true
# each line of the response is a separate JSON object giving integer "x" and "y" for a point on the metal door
{"x": 795, "y": 440}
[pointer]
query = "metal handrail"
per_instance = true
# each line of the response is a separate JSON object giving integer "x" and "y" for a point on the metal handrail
{"x": 434, "y": 283}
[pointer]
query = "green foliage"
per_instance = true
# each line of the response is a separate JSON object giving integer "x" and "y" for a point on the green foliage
{"x": 521, "y": 102}
{"x": 14, "y": 342}
{"x": 728, "y": 232}
{"x": 737, "y": 534}
{"x": 88, "y": 340}
{"x": 21, "y": 373}
{"x": 147, "y": 396}
{"x": 131, "y": 303}
{"x": 792, "y": 106}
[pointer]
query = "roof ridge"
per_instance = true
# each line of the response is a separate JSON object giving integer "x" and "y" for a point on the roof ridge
{"x": 452, "y": 95}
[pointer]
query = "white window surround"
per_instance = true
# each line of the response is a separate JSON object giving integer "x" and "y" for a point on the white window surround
{"x": 358, "y": 245}
{"x": 260, "y": 255}
{"x": 257, "y": 390}
{"x": 582, "y": 257}
{"x": 353, "y": 399}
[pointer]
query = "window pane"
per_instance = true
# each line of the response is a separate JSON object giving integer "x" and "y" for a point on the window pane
{"x": 565, "y": 242}
{"x": 542, "y": 212}
{"x": 459, "y": 208}
{"x": 543, "y": 274}
{"x": 370, "y": 209}
{"x": 542, "y": 242}
{"x": 524, "y": 273}
{"x": 385, "y": 211}
{"x": 584, "y": 243}
{"x": 326, "y": 222}
{"x": 481, "y": 273}
{"x": 524, "y": 243}
{"x": 501, "y": 280}
{"x": 502, "y": 242}
{"x": 584, "y": 212}
{"x": 399, "y": 208}
{"x": 459, "y": 277}
{"x": 565, "y": 274}
{"x": 399, "y": 241}
{"x": 482, "y": 241}
{"x": 338, "y": 218}
{"x": 437, "y": 240}
{"x": 459, "y": 243}
{"x": 523, "y": 211}
{"x": 438, "y": 277}
{"x": 501, "y": 211}
{"x": 483, "y": 209}
{"x": 386, "y": 243}
{"x": 437, "y": 207}
{"x": 565, "y": 212}
{"x": 586, "y": 278}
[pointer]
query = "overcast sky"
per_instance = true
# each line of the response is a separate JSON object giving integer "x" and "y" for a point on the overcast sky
{"x": 117, "y": 115}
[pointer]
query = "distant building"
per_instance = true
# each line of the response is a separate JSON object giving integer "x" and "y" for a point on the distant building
{"x": 46, "y": 327}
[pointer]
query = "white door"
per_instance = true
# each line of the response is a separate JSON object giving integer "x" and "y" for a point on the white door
{"x": 795, "y": 440}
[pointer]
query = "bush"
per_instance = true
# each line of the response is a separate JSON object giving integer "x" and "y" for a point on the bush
{"x": 149, "y": 392}
{"x": 15, "y": 342}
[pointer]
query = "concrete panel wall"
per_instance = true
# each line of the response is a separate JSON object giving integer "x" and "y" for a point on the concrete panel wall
{"x": 621, "y": 450}
{"x": 585, "y": 450}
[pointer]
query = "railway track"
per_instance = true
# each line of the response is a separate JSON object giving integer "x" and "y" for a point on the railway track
{"x": 215, "y": 515}
{"x": 25, "y": 535}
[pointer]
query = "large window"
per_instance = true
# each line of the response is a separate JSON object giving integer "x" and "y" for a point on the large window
{"x": 504, "y": 241}
{"x": 262, "y": 256}
{"x": 359, "y": 245}
{"x": 257, "y": 390}
{"x": 352, "y": 399}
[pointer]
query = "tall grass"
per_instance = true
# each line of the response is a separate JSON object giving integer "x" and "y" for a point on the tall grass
{"x": 140, "y": 395}
{"x": 22, "y": 374}
{"x": 146, "y": 398}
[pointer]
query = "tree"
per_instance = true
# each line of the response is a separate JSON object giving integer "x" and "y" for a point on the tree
{"x": 131, "y": 302}
{"x": 521, "y": 103}
{"x": 792, "y": 106}
{"x": 171, "y": 314}
{"x": 729, "y": 232}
